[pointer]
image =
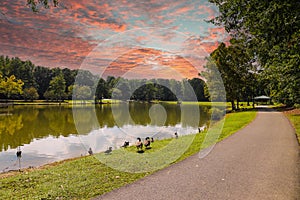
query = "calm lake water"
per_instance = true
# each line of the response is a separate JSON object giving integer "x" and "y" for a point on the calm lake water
{"x": 50, "y": 133}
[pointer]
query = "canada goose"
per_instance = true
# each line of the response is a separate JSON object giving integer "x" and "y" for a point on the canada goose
{"x": 90, "y": 151}
{"x": 108, "y": 151}
{"x": 147, "y": 142}
{"x": 176, "y": 135}
{"x": 139, "y": 144}
{"x": 19, "y": 153}
{"x": 126, "y": 144}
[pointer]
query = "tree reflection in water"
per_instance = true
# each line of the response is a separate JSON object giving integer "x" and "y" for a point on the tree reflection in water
{"x": 24, "y": 125}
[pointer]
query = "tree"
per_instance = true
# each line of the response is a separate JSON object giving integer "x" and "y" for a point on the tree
{"x": 49, "y": 95}
{"x": 10, "y": 86}
{"x": 198, "y": 87}
{"x": 234, "y": 66}
{"x": 271, "y": 30}
{"x": 42, "y": 76}
{"x": 81, "y": 92}
{"x": 150, "y": 91}
{"x": 101, "y": 90}
{"x": 30, "y": 94}
{"x": 214, "y": 88}
{"x": 188, "y": 92}
{"x": 57, "y": 88}
{"x": 69, "y": 76}
{"x": 85, "y": 77}
{"x": 122, "y": 85}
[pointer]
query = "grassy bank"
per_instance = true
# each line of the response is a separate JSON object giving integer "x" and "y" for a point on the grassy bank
{"x": 294, "y": 117}
{"x": 86, "y": 177}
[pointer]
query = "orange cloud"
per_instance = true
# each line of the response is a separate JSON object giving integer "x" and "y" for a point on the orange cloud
{"x": 151, "y": 63}
{"x": 65, "y": 36}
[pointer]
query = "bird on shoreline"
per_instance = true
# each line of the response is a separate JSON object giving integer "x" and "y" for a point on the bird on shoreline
{"x": 139, "y": 144}
{"x": 90, "y": 151}
{"x": 126, "y": 144}
{"x": 108, "y": 151}
{"x": 176, "y": 135}
{"x": 147, "y": 142}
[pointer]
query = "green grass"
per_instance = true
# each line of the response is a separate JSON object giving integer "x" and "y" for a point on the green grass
{"x": 231, "y": 124}
{"x": 86, "y": 177}
{"x": 295, "y": 120}
{"x": 77, "y": 179}
{"x": 242, "y": 105}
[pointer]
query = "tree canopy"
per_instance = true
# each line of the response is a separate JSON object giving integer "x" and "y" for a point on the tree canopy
{"x": 270, "y": 32}
{"x": 58, "y": 84}
{"x": 10, "y": 86}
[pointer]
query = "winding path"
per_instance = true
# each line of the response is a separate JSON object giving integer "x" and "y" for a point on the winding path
{"x": 260, "y": 161}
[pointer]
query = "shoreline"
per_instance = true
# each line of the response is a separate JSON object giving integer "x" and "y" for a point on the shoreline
{"x": 57, "y": 179}
{"x": 51, "y": 164}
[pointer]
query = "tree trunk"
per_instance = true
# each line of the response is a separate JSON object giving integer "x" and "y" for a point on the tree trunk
{"x": 232, "y": 105}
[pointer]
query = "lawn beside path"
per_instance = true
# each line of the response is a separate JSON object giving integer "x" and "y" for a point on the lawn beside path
{"x": 294, "y": 117}
{"x": 86, "y": 177}
{"x": 260, "y": 161}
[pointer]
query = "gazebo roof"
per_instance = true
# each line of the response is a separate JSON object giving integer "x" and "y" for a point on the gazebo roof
{"x": 262, "y": 98}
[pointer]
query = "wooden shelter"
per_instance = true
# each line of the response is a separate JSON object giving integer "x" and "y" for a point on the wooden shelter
{"x": 263, "y": 99}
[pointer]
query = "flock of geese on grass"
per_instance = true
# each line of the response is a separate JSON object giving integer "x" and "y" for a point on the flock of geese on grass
{"x": 140, "y": 144}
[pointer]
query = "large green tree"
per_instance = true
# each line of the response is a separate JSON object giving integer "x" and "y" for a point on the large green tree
{"x": 57, "y": 88}
{"x": 235, "y": 67}
{"x": 10, "y": 86}
{"x": 42, "y": 76}
{"x": 271, "y": 31}
{"x": 80, "y": 92}
{"x": 30, "y": 94}
{"x": 101, "y": 90}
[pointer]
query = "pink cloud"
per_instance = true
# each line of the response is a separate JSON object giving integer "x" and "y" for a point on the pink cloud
{"x": 65, "y": 36}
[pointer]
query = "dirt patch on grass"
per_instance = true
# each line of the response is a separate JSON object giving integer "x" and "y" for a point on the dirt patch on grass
{"x": 292, "y": 112}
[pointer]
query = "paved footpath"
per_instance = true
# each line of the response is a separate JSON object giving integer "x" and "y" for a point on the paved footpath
{"x": 260, "y": 161}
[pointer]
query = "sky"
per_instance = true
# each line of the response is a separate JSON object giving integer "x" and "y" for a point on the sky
{"x": 128, "y": 38}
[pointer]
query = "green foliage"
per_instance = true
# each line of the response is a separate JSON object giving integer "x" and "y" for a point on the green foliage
{"x": 101, "y": 90}
{"x": 81, "y": 92}
{"x": 198, "y": 87}
{"x": 42, "y": 76}
{"x": 270, "y": 30}
{"x": 233, "y": 64}
{"x": 57, "y": 88}
{"x": 10, "y": 86}
{"x": 49, "y": 86}
{"x": 294, "y": 117}
{"x": 214, "y": 89}
{"x": 30, "y": 94}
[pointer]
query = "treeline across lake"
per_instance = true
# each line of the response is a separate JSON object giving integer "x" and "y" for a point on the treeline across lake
{"x": 23, "y": 80}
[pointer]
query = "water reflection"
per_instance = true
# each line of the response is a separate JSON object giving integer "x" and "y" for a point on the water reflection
{"x": 50, "y": 133}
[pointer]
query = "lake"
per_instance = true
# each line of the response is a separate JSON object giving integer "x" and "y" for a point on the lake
{"x": 49, "y": 133}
